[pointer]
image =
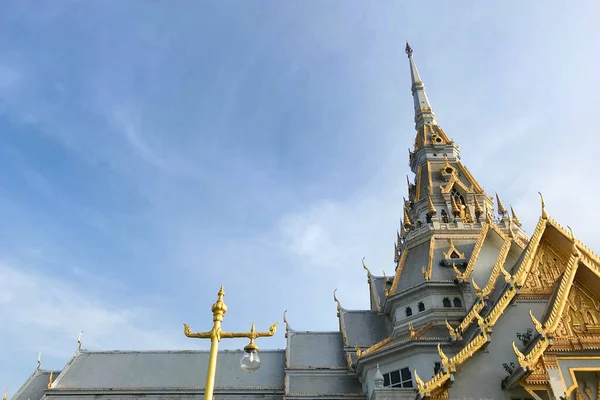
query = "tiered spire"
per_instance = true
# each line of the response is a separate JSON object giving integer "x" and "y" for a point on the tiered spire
{"x": 423, "y": 111}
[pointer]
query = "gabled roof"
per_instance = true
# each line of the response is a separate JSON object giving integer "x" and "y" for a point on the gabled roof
{"x": 312, "y": 350}
{"x": 34, "y": 386}
{"x": 127, "y": 370}
{"x": 580, "y": 255}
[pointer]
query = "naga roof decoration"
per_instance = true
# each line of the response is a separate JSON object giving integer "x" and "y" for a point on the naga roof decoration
{"x": 580, "y": 255}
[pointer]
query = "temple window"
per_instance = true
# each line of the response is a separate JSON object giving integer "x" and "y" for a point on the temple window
{"x": 408, "y": 311}
{"x": 447, "y": 302}
{"x": 457, "y": 302}
{"x": 400, "y": 378}
{"x": 421, "y": 307}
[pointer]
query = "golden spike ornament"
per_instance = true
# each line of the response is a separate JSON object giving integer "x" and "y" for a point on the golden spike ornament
{"x": 544, "y": 214}
{"x": 501, "y": 209}
{"x": 455, "y": 209}
{"x": 216, "y": 334}
{"x": 5, "y": 395}
{"x": 459, "y": 275}
{"x": 49, "y": 385}
{"x": 514, "y": 217}
{"x": 407, "y": 224}
{"x": 431, "y": 211}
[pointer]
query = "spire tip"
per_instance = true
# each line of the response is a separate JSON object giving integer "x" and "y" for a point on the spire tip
{"x": 408, "y": 49}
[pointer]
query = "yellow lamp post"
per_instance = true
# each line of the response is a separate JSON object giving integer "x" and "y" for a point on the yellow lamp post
{"x": 249, "y": 362}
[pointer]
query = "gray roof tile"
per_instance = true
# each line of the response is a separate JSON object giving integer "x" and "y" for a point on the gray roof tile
{"x": 364, "y": 328}
{"x": 316, "y": 349}
{"x": 320, "y": 384}
{"x": 168, "y": 369}
{"x": 33, "y": 388}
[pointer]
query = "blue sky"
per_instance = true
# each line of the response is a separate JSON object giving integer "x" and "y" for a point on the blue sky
{"x": 153, "y": 152}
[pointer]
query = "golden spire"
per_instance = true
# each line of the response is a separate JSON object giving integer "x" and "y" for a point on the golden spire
{"x": 5, "y": 395}
{"x": 407, "y": 223}
{"x": 49, "y": 386}
{"x": 501, "y": 209}
{"x": 455, "y": 209}
{"x": 515, "y": 219}
{"x": 431, "y": 211}
{"x": 478, "y": 209}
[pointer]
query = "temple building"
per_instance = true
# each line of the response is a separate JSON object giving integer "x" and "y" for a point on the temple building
{"x": 476, "y": 309}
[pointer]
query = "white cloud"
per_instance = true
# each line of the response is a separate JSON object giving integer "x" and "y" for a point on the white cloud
{"x": 46, "y": 313}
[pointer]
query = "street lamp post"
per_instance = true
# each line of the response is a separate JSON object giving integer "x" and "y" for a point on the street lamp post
{"x": 249, "y": 362}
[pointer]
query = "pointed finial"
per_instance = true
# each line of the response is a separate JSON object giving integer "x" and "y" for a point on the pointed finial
{"x": 49, "y": 386}
{"x": 39, "y": 360}
{"x": 501, "y": 209}
{"x": 514, "y": 217}
{"x": 339, "y": 306}
{"x": 378, "y": 378}
{"x": 455, "y": 209}
{"x": 5, "y": 394}
{"x": 544, "y": 214}
{"x": 407, "y": 223}
{"x": 431, "y": 211}
{"x": 79, "y": 340}
{"x": 408, "y": 49}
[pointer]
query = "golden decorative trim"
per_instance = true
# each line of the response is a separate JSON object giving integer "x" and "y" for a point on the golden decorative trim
{"x": 372, "y": 286}
{"x": 470, "y": 178}
{"x": 49, "y": 385}
{"x": 521, "y": 274}
{"x": 452, "y": 249}
{"x": 398, "y": 272}
{"x": 476, "y": 251}
{"x": 427, "y": 274}
{"x": 418, "y": 185}
{"x": 514, "y": 217}
{"x": 416, "y": 334}
{"x": 453, "y": 332}
{"x": 496, "y": 270}
{"x": 376, "y": 346}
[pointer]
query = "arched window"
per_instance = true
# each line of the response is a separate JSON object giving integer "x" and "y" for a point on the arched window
{"x": 408, "y": 311}
{"x": 457, "y": 302}
{"x": 446, "y": 302}
{"x": 421, "y": 307}
{"x": 458, "y": 197}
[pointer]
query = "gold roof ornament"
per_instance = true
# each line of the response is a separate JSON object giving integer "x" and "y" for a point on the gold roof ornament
{"x": 452, "y": 250}
{"x": 49, "y": 386}
{"x": 366, "y": 269}
{"x": 339, "y": 306}
{"x": 514, "y": 217}
{"x": 453, "y": 332}
{"x": 79, "y": 340}
{"x": 411, "y": 331}
{"x": 509, "y": 226}
{"x": 407, "y": 223}
{"x": 501, "y": 209}
{"x": 39, "y": 361}
{"x": 478, "y": 209}
{"x": 386, "y": 281}
{"x": 5, "y": 395}
{"x": 426, "y": 273}
{"x": 544, "y": 214}
{"x": 455, "y": 209}
{"x": 431, "y": 210}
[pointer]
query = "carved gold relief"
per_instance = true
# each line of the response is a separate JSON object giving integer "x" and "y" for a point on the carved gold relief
{"x": 547, "y": 266}
{"x": 581, "y": 317}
